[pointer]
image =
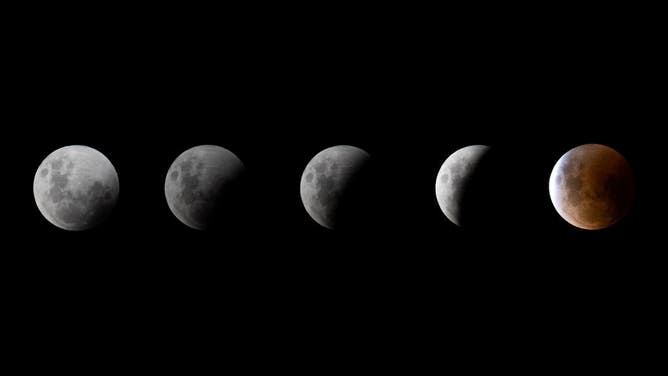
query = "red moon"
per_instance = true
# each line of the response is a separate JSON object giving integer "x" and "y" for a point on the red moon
{"x": 592, "y": 186}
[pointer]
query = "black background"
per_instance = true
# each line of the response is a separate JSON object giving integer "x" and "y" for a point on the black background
{"x": 277, "y": 88}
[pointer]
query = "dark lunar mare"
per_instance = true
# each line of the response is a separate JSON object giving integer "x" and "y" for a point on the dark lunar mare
{"x": 86, "y": 209}
{"x": 328, "y": 189}
{"x": 99, "y": 201}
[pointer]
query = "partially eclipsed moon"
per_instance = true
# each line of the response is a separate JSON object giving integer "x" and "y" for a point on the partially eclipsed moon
{"x": 452, "y": 179}
{"x": 201, "y": 184}
{"x": 327, "y": 179}
{"x": 592, "y": 186}
{"x": 76, "y": 187}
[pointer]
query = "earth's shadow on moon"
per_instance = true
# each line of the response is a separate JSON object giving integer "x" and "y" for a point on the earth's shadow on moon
{"x": 358, "y": 209}
{"x": 358, "y": 206}
{"x": 491, "y": 199}
{"x": 592, "y": 186}
{"x": 76, "y": 188}
{"x": 227, "y": 210}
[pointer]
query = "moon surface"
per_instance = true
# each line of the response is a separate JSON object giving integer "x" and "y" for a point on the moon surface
{"x": 326, "y": 182}
{"x": 201, "y": 183}
{"x": 76, "y": 187}
{"x": 452, "y": 179}
{"x": 592, "y": 186}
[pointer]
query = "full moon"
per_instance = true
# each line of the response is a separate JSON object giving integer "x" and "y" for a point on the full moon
{"x": 452, "y": 179}
{"x": 592, "y": 186}
{"x": 202, "y": 183}
{"x": 327, "y": 183}
{"x": 76, "y": 187}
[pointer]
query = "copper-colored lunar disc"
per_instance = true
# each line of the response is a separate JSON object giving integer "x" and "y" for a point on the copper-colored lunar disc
{"x": 592, "y": 186}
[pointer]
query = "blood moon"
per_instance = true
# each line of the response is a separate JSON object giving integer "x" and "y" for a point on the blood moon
{"x": 592, "y": 186}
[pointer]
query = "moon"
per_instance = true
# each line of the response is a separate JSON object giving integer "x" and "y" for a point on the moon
{"x": 327, "y": 182}
{"x": 453, "y": 177}
{"x": 76, "y": 187}
{"x": 592, "y": 186}
{"x": 201, "y": 184}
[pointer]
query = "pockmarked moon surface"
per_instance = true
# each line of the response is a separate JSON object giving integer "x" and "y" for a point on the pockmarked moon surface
{"x": 76, "y": 187}
{"x": 326, "y": 182}
{"x": 592, "y": 186}
{"x": 201, "y": 183}
{"x": 453, "y": 177}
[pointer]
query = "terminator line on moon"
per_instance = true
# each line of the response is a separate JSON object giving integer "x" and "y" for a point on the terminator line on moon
{"x": 198, "y": 184}
{"x": 592, "y": 186}
{"x": 452, "y": 178}
{"x": 325, "y": 180}
{"x": 76, "y": 187}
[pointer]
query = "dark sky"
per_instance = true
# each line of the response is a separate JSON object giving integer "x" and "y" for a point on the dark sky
{"x": 275, "y": 94}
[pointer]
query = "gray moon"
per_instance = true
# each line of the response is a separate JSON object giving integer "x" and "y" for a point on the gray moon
{"x": 452, "y": 178}
{"x": 76, "y": 187}
{"x": 199, "y": 181}
{"x": 592, "y": 186}
{"x": 325, "y": 180}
